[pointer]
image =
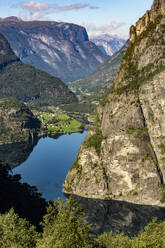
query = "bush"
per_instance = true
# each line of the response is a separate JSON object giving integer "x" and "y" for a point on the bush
{"x": 152, "y": 237}
{"x": 95, "y": 141}
{"x": 112, "y": 240}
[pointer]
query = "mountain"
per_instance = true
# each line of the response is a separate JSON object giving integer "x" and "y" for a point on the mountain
{"x": 61, "y": 49}
{"x": 18, "y": 123}
{"x": 28, "y": 84}
{"x": 108, "y": 44}
{"x": 102, "y": 76}
{"x": 123, "y": 155}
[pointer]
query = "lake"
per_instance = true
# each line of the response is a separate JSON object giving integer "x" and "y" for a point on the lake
{"x": 44, "y": 163}
{"x": 48, "y": 164}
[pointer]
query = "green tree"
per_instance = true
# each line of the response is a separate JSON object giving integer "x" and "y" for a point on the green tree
{"x": 152, "y": 237}
{"x": 65, "y": 226}
{"x": 16, "y": 232}
{"x": 113, "y": 240}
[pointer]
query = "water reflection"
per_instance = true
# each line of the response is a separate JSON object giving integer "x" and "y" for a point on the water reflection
{"x": 16, "y": 153}
{"x": 119, "y": 216}
{"x": 46, "y": 167}
{"x": 49, "y": 163}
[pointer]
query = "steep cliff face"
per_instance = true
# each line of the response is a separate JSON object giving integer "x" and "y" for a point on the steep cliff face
{"x": 123, "y": 156}
{"x": 28, "y": 84}
{"x": 61, "y": 49}
{"x": 17, "y": 122}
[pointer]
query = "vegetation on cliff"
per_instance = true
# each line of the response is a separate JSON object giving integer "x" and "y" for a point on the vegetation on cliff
{"x": 125, "y": 153}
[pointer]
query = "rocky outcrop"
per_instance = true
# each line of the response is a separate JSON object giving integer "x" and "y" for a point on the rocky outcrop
{"x": 123, "y": 155}
{"x": 158, "y": 8}
{"x": 17, "y": 122}
{"x": 61, "y": 49}
{"x": 28, "y": 84}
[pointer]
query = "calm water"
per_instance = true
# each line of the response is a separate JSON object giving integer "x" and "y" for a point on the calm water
{"x": 48, "y": 164}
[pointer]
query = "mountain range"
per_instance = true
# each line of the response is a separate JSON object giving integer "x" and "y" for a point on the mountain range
{"x": 28, "y": 84}
{"x": 61, "y": 49}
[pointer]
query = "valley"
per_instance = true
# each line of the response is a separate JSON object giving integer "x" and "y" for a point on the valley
{"x": 82, "y": 130}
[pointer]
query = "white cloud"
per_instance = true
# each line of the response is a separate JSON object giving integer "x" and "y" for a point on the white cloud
{"x": 112, "y": 27}
{"x": 39, "y": 10}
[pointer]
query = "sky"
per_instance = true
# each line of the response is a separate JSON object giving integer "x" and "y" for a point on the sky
{"x": 113, "y": 17}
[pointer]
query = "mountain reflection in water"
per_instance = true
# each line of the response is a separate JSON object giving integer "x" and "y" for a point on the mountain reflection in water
{"x": 118, "y": 216}
{"x": 15, "y": 154}
{"x": 46, "y": 167}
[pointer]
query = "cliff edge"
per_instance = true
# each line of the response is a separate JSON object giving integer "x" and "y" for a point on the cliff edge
{"x": 123, "y": 156}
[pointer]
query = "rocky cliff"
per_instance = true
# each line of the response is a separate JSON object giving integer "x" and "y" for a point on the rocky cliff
{"x": 123, "y": 156}
{"x": 61, "y": 49}
{"x": 17, "y": 122}
{"x": 28, "y": 84}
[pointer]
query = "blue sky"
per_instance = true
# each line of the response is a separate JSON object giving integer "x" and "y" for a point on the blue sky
{"x": 98, "y": 16}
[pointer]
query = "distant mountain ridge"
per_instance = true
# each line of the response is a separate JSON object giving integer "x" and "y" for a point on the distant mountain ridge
{"x": 108, "y": 44}
{"x": 61, "y": 49}
{"x": 28, "y": 84}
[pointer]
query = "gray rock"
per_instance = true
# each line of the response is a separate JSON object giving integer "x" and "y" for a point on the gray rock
{"x": 123, "y": 155}
{"x": 61, "y": 49}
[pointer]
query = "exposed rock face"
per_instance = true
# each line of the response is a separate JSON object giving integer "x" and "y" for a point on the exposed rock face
{"x": 61, "y": 49}
{"x": 17, "y": 122}
{"x": 108, "y": 44}
{"x": 123, "y": 155}
{"x": 28, "y": 84}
